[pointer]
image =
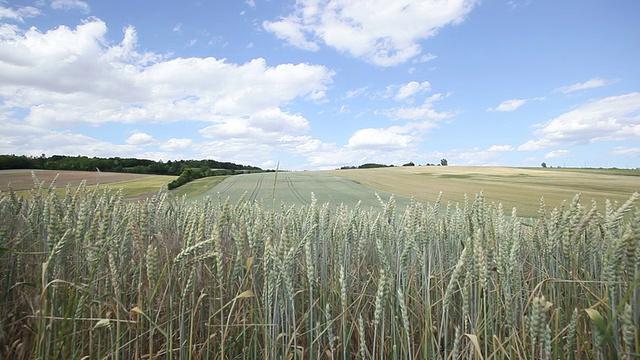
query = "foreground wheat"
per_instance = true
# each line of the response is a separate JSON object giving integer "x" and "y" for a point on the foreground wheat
{"x": 89, "y": 275}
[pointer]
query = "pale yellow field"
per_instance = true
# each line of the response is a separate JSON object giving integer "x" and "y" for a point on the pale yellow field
{"x": 513, "y": 187}
{"x": 134, "y": 186}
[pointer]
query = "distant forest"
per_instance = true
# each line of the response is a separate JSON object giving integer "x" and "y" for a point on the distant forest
{"x": 117, "y": 164}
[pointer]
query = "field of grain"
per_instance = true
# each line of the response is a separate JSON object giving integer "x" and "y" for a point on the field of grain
{"x": 512, "y": 187}
{"x": 296, "y": 188}
{"x": 134, "y": 186}
{"x": 87, "y": 274}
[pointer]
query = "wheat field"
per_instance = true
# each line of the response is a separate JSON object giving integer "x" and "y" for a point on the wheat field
{"x": 87, "y": 275}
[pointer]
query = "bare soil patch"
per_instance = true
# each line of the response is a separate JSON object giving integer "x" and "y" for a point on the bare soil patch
{"x": 21, "y": 180}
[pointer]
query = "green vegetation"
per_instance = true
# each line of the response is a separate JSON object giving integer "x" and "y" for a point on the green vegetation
{"x": 197, "y": 188}
{"x": 87, "y": 274}
{"x": 190, "y": 174}
{"x": 366, "y": 166}
{"x": 115, "y": 164}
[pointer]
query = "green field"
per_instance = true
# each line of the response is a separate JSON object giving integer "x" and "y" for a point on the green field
{"x": 295, "y": 188}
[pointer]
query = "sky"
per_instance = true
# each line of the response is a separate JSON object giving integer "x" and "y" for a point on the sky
{"x": 320, "y": 84}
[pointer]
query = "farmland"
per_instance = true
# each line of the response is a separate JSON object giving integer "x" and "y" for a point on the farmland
{"x": 296, "y": 188}
{"x": 134, "y": 186}
{"x": 86, "y": 274}
{"x": 522, "y": 188}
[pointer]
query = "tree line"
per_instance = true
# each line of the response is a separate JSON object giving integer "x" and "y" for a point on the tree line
{"x": 121, "y": 165}
{"x": 443, "y": 162}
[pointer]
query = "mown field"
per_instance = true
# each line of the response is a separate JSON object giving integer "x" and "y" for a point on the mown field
{"x": 134, "y": 186}
{"x": 522, "y": 188}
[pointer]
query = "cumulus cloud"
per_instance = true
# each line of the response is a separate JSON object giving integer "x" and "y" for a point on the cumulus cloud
{"x": 381, "y": 32}
{"x": 140, "y": 139}
{"x": 509, "y": 105}
{"x": 590, "y": 84}
{"x": 267, "y": 126}
{"x": 21, "y": 138}
{"x": 379, "y": 139}
{"x": 610, "y": 118}
{"x": 70, "y": 76}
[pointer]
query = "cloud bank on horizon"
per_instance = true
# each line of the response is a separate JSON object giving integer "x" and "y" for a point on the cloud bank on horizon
{"x": 318, "y": 84}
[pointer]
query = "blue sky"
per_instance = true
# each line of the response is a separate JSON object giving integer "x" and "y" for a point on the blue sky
{"x": 318, "y": 84}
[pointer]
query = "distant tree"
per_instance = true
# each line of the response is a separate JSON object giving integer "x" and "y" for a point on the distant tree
{"x": 372, "y": 165}
{"x": 544, "y": 165}
{"x": 444, "y": 162}
{"x": 410, "y": 163}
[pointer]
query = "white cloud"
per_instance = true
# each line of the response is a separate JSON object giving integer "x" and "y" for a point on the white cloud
{"x": 384, "y": 33}
{"x": 509, "y": 105}
{"x": 20, "y": 138}
{"x": 290, "y": 30}
{"x": 19, "y": 13}
{"x": 426, "y": 57}
{"x": 378, "y": 139}
{"x": 71, "y": 4}
{"x": 268, "y": 126}
{"x": 499, "y": 148}
{"x": 424, "y": 112}
{"x": 610, "y": 118}
{"x": 176, "y": 144}
{"x": 392, "y": 145}
{"x": 140, "y": 139}
{"x": 557, "y": 154}
{"x": 590, "y": 84}
{"x": 410, "y": 89}
{"x": 356, "y": 92}
{"x": 71, "y": 76}
{"x": 626, "y": 150}
{"x": 74, "y": 76}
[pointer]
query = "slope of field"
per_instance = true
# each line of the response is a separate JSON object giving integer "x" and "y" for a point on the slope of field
{"x": 295, "y": 188}
{"x": 513, "y": 187}
{"x": 133, "y": 185}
